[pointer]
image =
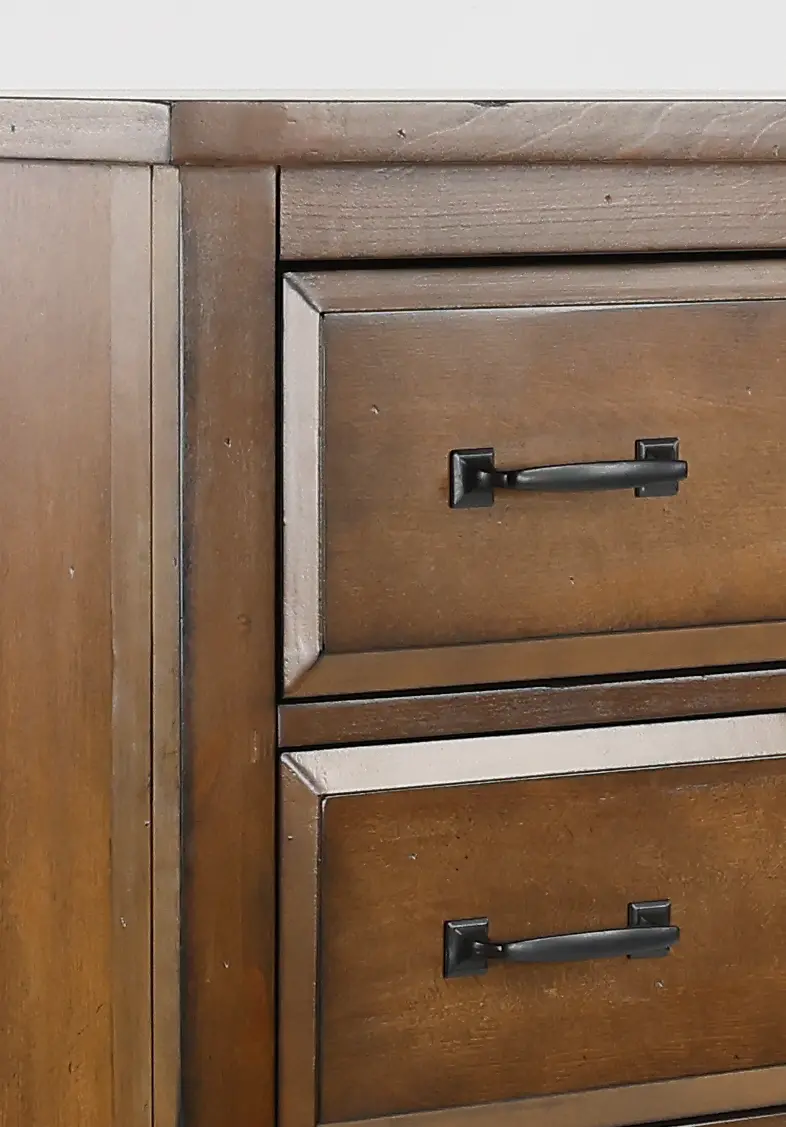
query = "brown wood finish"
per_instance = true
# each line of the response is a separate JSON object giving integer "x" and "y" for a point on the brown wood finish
{"x": 301, "y": 455}
{"x": 540, "y": 284}
{"x": 538, "y": 755}
{"x": 127, "y": 276}
{"x": 84, "y": 130}
{"x": 527, "y": 708}
{"x": 309, "y": 776}
{"x": 476, "y": 131}
{"x": 621, "y": 1107}
{"x": 395, "y": 212}
{"x": 543, "y": 857}
{"x": 404, "y": 571}
{"x": 229, "y": 607}
{"x": 571, "y": 586}
{"x": 166, "y": 645}
{"x": 75, "y": 646}
{"x": 83, "y": 844}
{"x": 298, "y": 995}
{"x": 376, "y": 671}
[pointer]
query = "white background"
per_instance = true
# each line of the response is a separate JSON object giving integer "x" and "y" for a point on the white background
{"x": 384, "y": 48}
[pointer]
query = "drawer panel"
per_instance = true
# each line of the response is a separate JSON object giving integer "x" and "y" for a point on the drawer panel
{"x": 391, "y": 583}
{"x": 382, "y": 849}
{"x": 592, "y": 208}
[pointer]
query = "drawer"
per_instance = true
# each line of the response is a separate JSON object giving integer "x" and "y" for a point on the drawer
{"x": 409, "y": 564}
{"x": 396, "y": 860}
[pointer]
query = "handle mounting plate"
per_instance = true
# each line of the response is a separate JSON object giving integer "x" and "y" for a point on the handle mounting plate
{"x": 658, "y": 450}
{"x": 465, "y": 465}
{"x": 461, "y": 958}
{"x": 651, "y": 913}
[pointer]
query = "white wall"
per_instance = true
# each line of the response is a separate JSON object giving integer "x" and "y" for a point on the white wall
{"x": 383, "y": 48}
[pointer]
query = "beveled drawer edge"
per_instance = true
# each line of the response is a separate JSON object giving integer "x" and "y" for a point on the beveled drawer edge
{"x": 301, "y": 457}
{"x": 351, "y": 770}
{"x": 686, "y": 1100}
{"x": 563, "y": 657}
{"x": 298, "y": 949}
{"x": 540, "y": 284}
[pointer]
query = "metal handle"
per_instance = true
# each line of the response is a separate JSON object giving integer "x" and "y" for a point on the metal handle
{"x": 649, "y": 934}
{"x": 656, "y": 471}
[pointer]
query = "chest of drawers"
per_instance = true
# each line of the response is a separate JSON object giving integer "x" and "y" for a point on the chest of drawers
{"x": 394, "y": 661}
{"x": 483, "y": 427}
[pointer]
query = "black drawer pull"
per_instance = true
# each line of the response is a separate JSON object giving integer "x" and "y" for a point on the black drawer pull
{"x": 649, "y": 935}
{"x": 656, "y": 471}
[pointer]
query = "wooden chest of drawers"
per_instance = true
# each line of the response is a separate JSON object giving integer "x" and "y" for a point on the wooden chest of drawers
{"x": 483, "y": 426}
{"x": 394, "y": 614}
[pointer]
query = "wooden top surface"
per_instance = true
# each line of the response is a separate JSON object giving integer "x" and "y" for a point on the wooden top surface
{"x": 298, "y": 133}
{"x": 406, "y": 132}
{"x": 84, "y": 130}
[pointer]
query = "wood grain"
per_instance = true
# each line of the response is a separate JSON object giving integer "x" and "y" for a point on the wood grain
{"x": 540, "y": 284}
{"x": 298, "y": 950}
{"x": 531, "y": 755}
{"x": 576, "y": 657}
{"x": 537, "y": 858}
{"x": 312, "y": 132}
{"x": 527, "y": 708}
{"x": 75, "y": 646}
{"x": 697, "y": 1097}
{"x": 90, "y": 130}
{"x": 567, "y": 658}
{"x": 230, "y": 669}
{"x": 403, "y": 570}
{"x": 682, "y": 1098}
{"x": 542, "y": 586}
{"x": 129, "y": 296}
{"x": 166, "y": 601}
{"x": 301, "y": 467}
{"x": 394, "y": 212}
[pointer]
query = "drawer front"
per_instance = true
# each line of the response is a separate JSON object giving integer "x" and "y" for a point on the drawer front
{"x": 409, "y": 589}
{"x": 390, "y": 859}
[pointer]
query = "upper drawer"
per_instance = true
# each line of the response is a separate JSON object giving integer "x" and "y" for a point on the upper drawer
{"x": 388, "y": 373}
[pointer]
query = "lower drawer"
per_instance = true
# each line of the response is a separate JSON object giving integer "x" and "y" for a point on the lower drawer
{"x": 416, "y": 876}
